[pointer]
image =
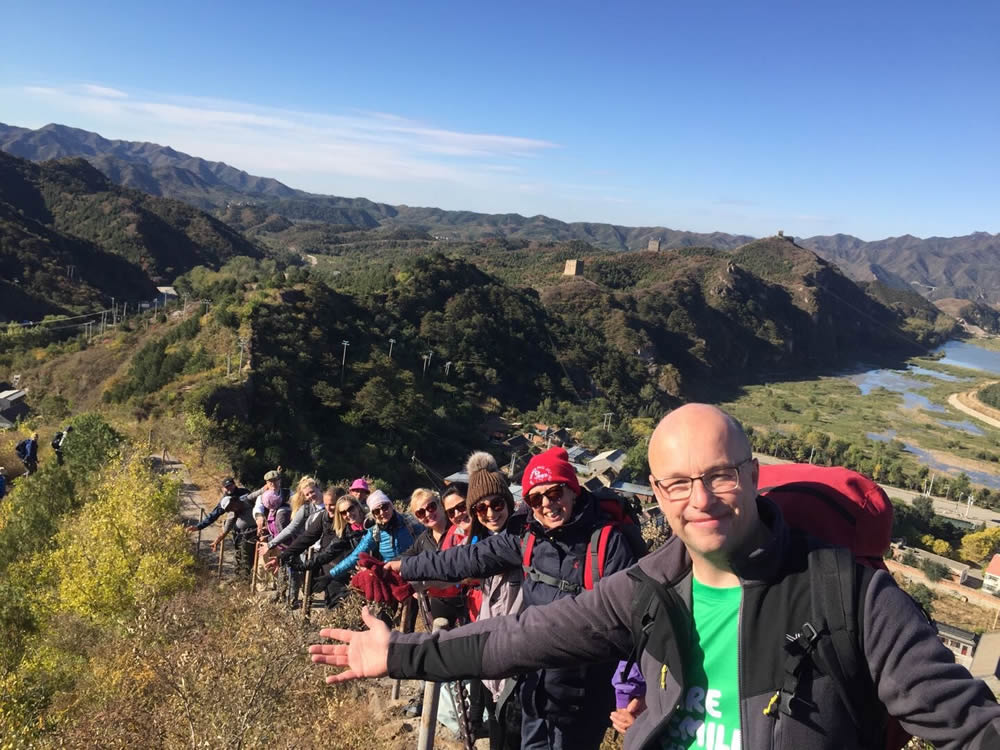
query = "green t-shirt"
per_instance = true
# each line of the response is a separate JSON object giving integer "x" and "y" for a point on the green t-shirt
{"x": 709, "y": 716}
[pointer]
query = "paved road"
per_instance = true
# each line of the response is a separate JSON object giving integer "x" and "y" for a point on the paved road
{"x": 954, "y": 400}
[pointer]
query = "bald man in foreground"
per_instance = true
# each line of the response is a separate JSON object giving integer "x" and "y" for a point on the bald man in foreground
{"x": 731, "y": 596}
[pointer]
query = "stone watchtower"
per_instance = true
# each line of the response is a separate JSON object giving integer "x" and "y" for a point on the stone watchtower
{"x": 573, "y": 268}
{"x": 653, "y": 246}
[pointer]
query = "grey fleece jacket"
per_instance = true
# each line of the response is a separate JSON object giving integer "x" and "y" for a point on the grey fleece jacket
{"x": 914, "y": 675}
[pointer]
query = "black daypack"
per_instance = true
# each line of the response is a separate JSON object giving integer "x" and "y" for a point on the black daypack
{"x": 831, "y": 639}
{"x": 57, "y": 441}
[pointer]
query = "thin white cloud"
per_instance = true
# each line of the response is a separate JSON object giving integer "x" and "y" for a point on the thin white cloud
{"x": 105, "y": 91}
{"x": 372, "y": 145}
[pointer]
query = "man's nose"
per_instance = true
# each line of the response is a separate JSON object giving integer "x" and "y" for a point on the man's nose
{"x": 701, "y": 496}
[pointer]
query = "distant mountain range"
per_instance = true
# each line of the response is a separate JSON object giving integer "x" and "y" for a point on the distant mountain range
{"x": 70, "y": 239}
{"x": 965, "y": 267}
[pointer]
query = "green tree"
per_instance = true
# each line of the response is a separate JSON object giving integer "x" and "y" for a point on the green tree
{"x": 934, "y": 571}
{"x": 923, "y": 595}
{"x": 924, "y": 508}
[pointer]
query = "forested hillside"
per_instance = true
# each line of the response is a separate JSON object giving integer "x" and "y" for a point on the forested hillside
{"x": 70, "y": 238}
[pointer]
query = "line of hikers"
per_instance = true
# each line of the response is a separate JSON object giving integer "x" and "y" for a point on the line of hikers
{"x": 767, "y": 620}
{"x": 508, "y": 555}
{"x": 27, "y": 453}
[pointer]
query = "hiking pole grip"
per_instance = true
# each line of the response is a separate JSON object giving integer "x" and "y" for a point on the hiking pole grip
{"x": 307, "y": 587}
{"x": 432, "y": 694}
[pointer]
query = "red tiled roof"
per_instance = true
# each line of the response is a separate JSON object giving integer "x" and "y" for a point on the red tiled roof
{"x": 994, "y": 566}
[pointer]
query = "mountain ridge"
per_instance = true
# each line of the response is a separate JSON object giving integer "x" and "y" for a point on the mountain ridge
{"x": 965, "y": 266}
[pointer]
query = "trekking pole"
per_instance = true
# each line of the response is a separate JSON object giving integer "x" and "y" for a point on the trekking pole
{"x": 403, "y": 618}
{"x": 307, "y": 587}
{"x": 201, "y": 517}
{"x": 432, "y": 693}
{"x": 256, "y": 564}
{"x": 456, "y": 690}
{"x": 222, "y": 547}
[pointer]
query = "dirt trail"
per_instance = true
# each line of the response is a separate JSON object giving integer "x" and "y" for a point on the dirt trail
{"x": 194, "y": 499}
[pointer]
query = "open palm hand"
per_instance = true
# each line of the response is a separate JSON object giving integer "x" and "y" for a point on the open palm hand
{"x": 365, "y": 653}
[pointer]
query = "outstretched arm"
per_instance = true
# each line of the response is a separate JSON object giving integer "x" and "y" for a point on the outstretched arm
{"x": 367, "y": 542}
{"x": 591, "y": 627}
{"x": 485, "y": 558}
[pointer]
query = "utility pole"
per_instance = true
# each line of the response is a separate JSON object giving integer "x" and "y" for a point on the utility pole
{"x": 112, "y": 310}
{"x": 426, "y": 358}
{"x": 244, "y": 343}
{"x": 229, "y": 361}
{"x": 391, "y": 342}
{"x": 343, "y": 360}
{"x": 606, "y": 424}
{"x": 447, "y": 368}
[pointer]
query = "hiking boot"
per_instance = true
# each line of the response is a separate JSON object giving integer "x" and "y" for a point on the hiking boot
{"x": 414, "y": 707}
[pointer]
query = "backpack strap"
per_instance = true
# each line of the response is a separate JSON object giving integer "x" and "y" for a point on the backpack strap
{"x": 645, "y": 604}
{"x": 658, "y": 617}
{"x": 530, "y": 571}
{"x": 597, "y": 555}
{"x": 831, "y": 640}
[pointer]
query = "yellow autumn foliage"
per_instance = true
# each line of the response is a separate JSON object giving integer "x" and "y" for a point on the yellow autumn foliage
{"x": 122, "y": 549}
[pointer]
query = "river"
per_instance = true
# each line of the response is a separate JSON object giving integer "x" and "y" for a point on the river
{"x": 958, "y": 354}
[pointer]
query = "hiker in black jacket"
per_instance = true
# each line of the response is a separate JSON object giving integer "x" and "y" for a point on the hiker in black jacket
{"x": 239, "y": 509}
{"x": 570, "y": 707}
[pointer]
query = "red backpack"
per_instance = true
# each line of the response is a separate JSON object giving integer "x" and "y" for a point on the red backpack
{"x": 618, "y": 514}
{"x": 849, "y": 510}
{"x": 834, "y": 504}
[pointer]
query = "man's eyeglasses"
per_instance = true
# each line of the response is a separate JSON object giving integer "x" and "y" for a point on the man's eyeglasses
{"x": 384, "y": 508}
{"x": 427, "y": 510}
{"x": 722, "y": 479}
{"x": 456, "y": 510}
{"x": 495, "y": 504}
{"x": 554, "y": 494}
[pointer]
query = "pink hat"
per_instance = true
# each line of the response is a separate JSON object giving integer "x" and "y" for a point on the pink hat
{"x": 271, "y": 500}
{"x": 360, "y": 484}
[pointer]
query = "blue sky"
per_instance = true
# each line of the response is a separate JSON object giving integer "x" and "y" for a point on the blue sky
{"x": 873, "y": 119}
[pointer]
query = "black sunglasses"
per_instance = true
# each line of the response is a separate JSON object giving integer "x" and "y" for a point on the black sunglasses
{"x": 554, "y": 494}
{"x": 456, "y": 509}
{"x": 422, "y": 513}
{"x": 496, "y": 505}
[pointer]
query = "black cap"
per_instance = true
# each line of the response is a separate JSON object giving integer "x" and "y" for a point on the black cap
{"x": 228, "y": 482}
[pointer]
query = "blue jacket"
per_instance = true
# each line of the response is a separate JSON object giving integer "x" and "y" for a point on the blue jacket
{"x": 391, "y": 542}
{"x": 3, "y": 487}
{"x": 27, "y": 450}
